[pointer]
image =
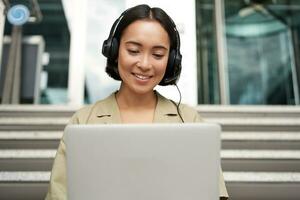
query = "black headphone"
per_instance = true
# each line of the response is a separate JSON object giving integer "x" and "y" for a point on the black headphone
{"x": 110, "y": 50}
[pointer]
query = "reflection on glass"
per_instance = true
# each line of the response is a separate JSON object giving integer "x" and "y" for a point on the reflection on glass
{"x": 207, "y": 69}
{"x": 261, "y": 66}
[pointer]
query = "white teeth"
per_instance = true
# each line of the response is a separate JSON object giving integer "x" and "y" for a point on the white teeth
{"x": 141, "y": 76}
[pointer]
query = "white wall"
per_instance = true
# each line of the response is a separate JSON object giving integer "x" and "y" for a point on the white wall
{"x": 183, "y": 14}
{"x": 75, "y": 11}
{"x": 100, "y": 17}
{"x": 90, "y": 22}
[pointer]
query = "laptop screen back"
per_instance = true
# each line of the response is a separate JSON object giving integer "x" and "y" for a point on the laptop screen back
{"x": 143, "y": 162}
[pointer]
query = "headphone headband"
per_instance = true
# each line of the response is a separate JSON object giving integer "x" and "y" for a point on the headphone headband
{"x": 110, "y": 50}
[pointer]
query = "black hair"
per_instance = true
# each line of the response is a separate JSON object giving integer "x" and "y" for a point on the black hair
{"x": 141, "y": 12}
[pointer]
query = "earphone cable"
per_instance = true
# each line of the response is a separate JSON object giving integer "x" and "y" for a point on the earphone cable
{"x": 178, "y": 104}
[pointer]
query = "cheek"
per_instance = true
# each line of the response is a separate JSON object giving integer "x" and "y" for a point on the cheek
{"x": 125, "y": 60}
{"x": 161, "y": 67}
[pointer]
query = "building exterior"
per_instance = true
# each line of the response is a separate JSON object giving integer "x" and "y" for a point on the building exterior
{"x": 2, "y": 21}
{"x": 234, "y": 52}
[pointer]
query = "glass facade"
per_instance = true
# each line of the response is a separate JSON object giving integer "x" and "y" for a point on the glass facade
{"x": 54, "y": 30}
{"x": 261, "y": 50}
{"x": 208, "y": 81}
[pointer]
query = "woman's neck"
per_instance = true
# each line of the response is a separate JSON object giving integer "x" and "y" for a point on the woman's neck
{"x": 129, "y": 100}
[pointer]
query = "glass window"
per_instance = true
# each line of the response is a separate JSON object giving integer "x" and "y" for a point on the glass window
{"x": 261, "y": 49}
{"x": 208, "y": 81}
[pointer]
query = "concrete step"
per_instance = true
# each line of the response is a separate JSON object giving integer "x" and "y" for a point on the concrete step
{"x": 257, "y": 124}
{"x": 30, "y": 139}
{"x": 228, "y": 124}
{"x": 24, "y": 185}
{"x": 260, "y": 149}
{"x": 230, "y": 140}
{"x": 33, "y": 124}
{"x": 27, "y": 160}
{"x": 223, "y": 111}
{"x": 260, "y": 140}
{"x": 263, "y": 185}
{"x": 235, "y": 160}
{"x": 248, "y": 111}
{"x": 240, "y": 185}
{"x": 23, "y": 190}
{"x": 37, "y": 110}
{"x": 261, "y": 160}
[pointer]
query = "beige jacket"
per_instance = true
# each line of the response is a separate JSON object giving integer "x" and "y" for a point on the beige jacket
{"x": 107, "y": 112}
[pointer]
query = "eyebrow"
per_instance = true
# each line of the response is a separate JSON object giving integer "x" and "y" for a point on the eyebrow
{"x": 138, "y": 44}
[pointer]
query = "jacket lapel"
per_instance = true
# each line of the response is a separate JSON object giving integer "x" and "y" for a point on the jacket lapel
{"x": 107, "y": 111}
{"x": 165, "y": 111}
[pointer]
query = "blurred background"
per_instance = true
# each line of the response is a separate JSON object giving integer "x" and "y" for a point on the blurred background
{"x": 234, "y": 52}
{"x": 240, "y": 68}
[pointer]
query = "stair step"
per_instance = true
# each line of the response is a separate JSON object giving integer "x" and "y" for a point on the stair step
{"x": 37, "y": 110}
{"x": 260, "y": 149}
{"x": 204, "y": 110}
{"x": 240, "y": 185}
{"x": 236, "y": 124}
{"x": 226, "y": 136}
{"x": 256, "y": 111}
{"x": 262, "y": 185}
{"x": 255, "y": 124}
{"x": 261, "y": 154}
{"x": 230, "y": 140}
{"x": 266, "y": 136}
{"x": 25, "y": 176}
{"x": 225, "y": 154}
{"x": 261, "y": 160}
{"x": 30, "y": 139}
{"x": 244, "y": 160}
{"x": 14, "y": 160}
{"x": 260, "y": 140}
{"x": 15, "y": 154}
{"x": 229, "y": 176}
{"x": 23, "y": 190}
{"x": 262, "y": 177}
{"x": 30, "y": 135}
{"x": 12, "y": 124}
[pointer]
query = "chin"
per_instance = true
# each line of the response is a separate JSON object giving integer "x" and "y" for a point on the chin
{"x": 142, "y": 89}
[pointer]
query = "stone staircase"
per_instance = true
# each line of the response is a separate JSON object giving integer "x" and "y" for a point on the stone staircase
{"x": 260, "y": 149}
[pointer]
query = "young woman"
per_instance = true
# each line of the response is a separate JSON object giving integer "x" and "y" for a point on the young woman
{"x": 143, "y": 51}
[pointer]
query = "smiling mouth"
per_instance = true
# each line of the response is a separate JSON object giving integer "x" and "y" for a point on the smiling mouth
{"x": 141, "y": 77}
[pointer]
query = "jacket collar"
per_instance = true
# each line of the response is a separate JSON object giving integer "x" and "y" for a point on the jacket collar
{"x": 165, "y": 109}
{"x": 109, "y": 109}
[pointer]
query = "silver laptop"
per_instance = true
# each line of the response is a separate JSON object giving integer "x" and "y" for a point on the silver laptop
{"x": 143, "y": 162}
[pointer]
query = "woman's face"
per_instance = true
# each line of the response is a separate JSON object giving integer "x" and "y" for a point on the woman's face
{"x": 143, "y": 55}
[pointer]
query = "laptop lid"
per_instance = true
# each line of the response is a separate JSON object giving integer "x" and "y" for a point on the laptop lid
{"x": 143, "y": 162}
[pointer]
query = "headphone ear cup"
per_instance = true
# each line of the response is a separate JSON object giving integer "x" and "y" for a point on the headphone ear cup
{"x": 105, "y": 48}
{"x": 110, "y": 48}
{"x": 170, "y": 65}
{"x": 177, "y": 64}
{"x": 173, "y": 69}
{"x": 114, "y": 49}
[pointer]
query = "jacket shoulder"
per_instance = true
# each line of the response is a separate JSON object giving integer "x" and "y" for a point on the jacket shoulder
{"x": 190, "y": 114}
{"x": 83, "y": 115}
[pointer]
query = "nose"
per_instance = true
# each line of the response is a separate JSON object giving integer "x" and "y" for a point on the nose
{"x": 144, "y": 62}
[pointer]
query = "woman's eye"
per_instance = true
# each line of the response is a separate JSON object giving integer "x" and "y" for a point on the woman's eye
{"x": 158, "y": 56}
{"x": 133, "y": 52}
